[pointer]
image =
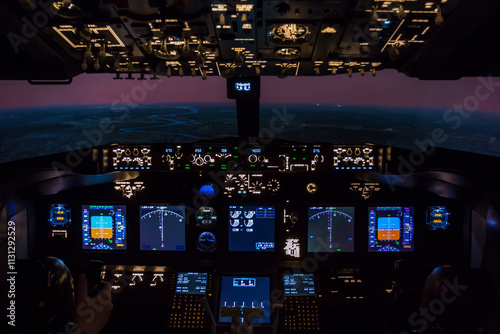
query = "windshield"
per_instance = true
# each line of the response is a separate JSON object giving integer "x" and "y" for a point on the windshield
{"x": 389, "y": 109}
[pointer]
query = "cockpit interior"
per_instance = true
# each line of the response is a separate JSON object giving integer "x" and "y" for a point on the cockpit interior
{"x": 231, "y": 211}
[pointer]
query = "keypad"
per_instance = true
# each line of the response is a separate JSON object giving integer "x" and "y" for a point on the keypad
{"x": 301, "y": 314}
{"x": 187, "y": 312}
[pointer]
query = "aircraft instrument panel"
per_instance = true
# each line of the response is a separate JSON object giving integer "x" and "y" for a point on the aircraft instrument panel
{"x": 259, "y": 232}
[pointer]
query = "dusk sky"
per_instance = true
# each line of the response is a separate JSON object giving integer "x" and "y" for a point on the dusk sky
{"x": 388, "y": 88}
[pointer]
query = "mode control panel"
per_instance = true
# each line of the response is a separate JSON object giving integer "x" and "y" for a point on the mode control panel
{"x": 238, "y": 157}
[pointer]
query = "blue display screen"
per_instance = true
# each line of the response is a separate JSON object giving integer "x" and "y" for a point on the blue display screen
{"x": 104, "y": 227}
{"x": 390, "y": 229}
{"x": 251, "y": 228}
{"x": 243, "y": 86}
{"x": 298, "y": 285}
{"x": 162, "y": 228}
{"x": 191, "y": 283}
{"x": 330, "y": 229}
{"x": 60, "y": 215}
{"x": 437, "y": 218}
{"x": 246, "y": 291}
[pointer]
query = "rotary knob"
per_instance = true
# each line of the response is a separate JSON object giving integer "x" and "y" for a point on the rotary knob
{"x": 273, "y": 185}
{"x": 312, "y": 188}
{"x": 199, "y": 161}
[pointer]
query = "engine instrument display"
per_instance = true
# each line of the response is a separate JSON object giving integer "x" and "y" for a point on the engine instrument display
{"x": 390, "y": 229}
{"x": 162, "y": 228}
{"x": 330, "y": 229}
{"x": 191, "y": 283}
{"x": 251, "y": 228}
{"x": 104, "y": 227}
{"x": 299, "y": 285}
{"x": 237, "y": 291}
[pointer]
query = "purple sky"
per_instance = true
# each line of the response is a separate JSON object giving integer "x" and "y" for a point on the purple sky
{"x": 388, "y": 88}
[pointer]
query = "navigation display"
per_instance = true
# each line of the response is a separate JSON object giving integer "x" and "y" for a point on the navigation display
{"x": 191, "y": 283}
{"x": 390, "y": 229}
{"x": 299, "y": 285}
{"x": 162, "y": 228}
{"x": 245, "y": 291}
{"x": 251, "y": 228}
{"x": 104, "y": 227}
{"x": 330, "y": 229}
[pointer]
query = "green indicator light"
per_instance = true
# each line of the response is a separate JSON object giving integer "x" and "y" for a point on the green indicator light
{"x": 339, "y": 250}
{"x": 209, "y": 148}
{"x": 261, "y": 165}
{"x": 235, "y": 156}
{"x": 223, "y": 165}
{"x": 295, "y": 150}
{"x": 223, "y": 168}
{"x": 110, "y": 241}
{"x": 90, "y": 240}
{"x": 187, "y": 167}
{"x": 303, "y": 158}
{"x": 303, "y": 150}
{"x": 187, "y": 164}
{"x": 294, "y": 158}
{"x": 211, "y": 165}
{"x": 235, "y": 148}
{"x": 154, "y": 249}
{"x": 252, "y": 165}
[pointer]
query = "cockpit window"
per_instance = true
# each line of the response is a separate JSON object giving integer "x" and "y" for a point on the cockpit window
{"x": 389, "y": 109}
